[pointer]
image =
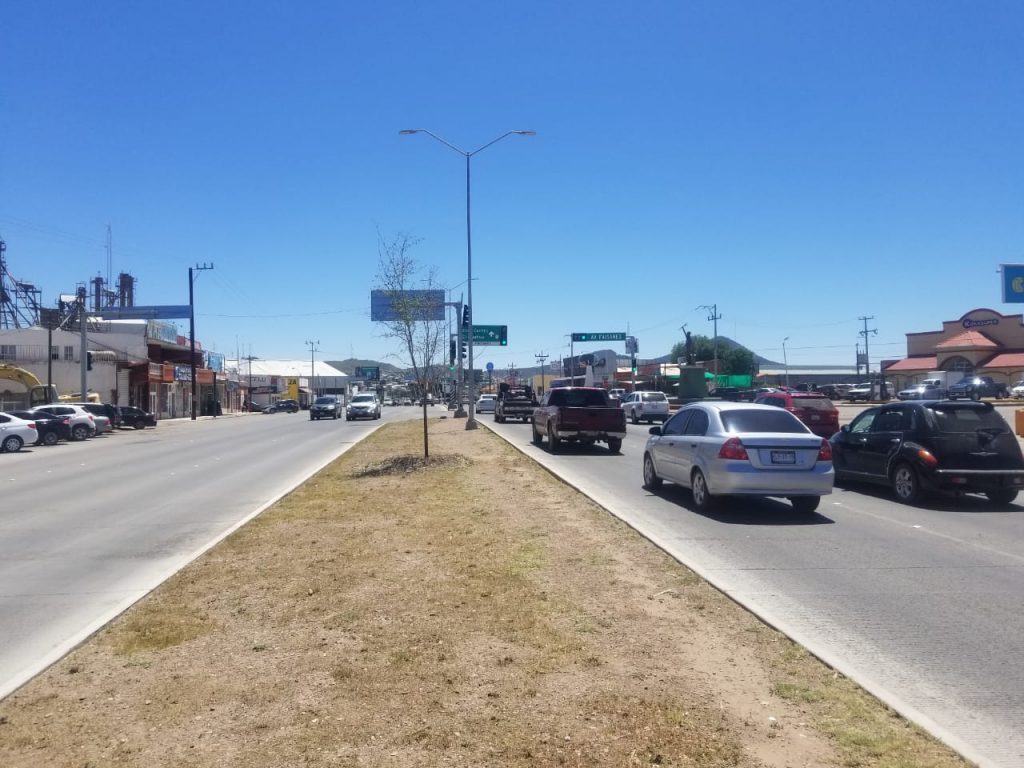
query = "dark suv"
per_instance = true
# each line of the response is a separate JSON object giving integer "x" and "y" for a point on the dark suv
{"x": 325, "y": 407}
{"x": 915, "y": 446}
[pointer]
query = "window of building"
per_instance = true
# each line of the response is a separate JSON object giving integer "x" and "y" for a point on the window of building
{"x": 8, "y": 352}
{"x": 69, "y": 352}
{"x": 55, "y": 353}
{"x": 961, "y": 364}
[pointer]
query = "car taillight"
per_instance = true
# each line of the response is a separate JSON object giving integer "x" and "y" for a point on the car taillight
{"x": 67, "y": 421}
{"x": 927, "y": 458}
{"x": 733, "y": 449}
{"x": 825, "y": 452}
{"x": 31, "y": 425}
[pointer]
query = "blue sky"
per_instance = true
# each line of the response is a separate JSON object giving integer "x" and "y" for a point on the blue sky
{"x": 797, "y": 164}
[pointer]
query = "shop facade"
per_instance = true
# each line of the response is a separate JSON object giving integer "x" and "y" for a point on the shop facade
{"x": 982, "y": 342}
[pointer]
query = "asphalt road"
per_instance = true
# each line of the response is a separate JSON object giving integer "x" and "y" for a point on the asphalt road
{"x": 87, "y": 529}
{"x": 923, "y": 606}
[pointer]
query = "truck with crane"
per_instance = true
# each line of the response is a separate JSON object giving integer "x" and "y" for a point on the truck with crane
{"x": 36, "y": 393}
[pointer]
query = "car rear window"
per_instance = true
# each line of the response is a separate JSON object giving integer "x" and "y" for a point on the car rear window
{"x": 364, "y": 399}
{"x": 654, "y": 397}
{"x": 579, "y": 398}
{"x": 966, "y": 418}
{"x": 736, "y": 421}
{"x": 813, "y": 403}
{"x": 324, "y": 401}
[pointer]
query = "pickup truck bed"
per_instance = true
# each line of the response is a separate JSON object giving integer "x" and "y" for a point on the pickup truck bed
{"x": 578, "y": 414}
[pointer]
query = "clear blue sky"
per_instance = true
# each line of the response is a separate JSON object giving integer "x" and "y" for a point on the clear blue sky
{"x": 799, "y": 164}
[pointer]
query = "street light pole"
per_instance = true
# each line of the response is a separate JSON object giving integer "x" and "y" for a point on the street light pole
{"x": 191, "y": 335}
{"x": 785, "y": 360}
{"x": 312, "y": 369}
{"x": 471, "y": 421}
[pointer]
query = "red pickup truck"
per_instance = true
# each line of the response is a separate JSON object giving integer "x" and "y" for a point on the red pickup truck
{"x": 578, "y": 414}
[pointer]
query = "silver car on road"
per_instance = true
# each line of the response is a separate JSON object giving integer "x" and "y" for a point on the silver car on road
{"x": 739, "y": 449}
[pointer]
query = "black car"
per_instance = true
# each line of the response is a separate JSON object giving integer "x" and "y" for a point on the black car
{"x": 931, "y": 445}
{"x": 283, "y": 406}
{"x": 325, "y": 407}
{"x": 51, "y": 428}
{"x": 136, "y": 418}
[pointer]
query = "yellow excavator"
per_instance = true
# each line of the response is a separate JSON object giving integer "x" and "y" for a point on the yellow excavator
{"x": 36, "y": 392}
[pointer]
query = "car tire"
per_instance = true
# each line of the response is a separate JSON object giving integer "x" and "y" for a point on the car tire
{"x": 651, "y": 479}
{"x": 554, "y": 442}
{"x": 79, "y": 432}
{"x": 804, "y": 504}
{"x": 1002, "y": 496}
{"x": 49, "y": 438}
{"x": 702, "y": 498}
{"x": 633, "y": 417}
{"x": 139, "y": 425}
{"x": 537, "y": 438}
{"x": 615, "y": 444}
{"x": 905, "y": 484}
{"x": 12, "y": 444}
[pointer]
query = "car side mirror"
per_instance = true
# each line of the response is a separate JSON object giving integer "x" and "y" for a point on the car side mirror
{"x": 844, "y": 428}
{"x": 655, "y": 430}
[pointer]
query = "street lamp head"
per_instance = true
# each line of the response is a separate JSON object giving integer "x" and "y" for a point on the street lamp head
{"x": 408, "y": 131}
{"x": 525, "y": 133}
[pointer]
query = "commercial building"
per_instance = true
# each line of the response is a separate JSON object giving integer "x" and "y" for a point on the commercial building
{"x": 980, "y": 342}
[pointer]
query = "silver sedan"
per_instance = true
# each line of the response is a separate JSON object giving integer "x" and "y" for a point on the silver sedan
{"x": 742, "y": 449}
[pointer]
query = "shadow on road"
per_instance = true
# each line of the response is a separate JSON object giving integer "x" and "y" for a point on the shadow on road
{"x": 936, "y": 502}
{"x": 738, "y": 510}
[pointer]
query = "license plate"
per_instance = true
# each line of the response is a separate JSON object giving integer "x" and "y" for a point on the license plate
{"x": 815, "y": 418}
{"x": 783, "y": 457}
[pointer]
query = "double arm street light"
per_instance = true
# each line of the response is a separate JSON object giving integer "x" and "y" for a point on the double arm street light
{"x": 471, "y": 421}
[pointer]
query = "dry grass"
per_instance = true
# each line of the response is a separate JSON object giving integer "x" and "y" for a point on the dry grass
{"x": 468, "y": 610}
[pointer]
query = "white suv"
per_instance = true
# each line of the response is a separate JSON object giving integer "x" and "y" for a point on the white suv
{"x": 83, "y": 424}
{"x": 363, "y": 406}
{"x": 645, "y": 406}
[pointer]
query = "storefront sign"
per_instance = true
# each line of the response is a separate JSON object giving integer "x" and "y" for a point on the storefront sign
{"x": 968, "y": 323}
{"x": 161, "y": 331}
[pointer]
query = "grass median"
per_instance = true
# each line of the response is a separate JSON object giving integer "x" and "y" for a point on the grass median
{"x": 466, "y": 610}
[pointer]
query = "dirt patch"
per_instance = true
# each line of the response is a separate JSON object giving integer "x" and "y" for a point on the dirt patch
{"x": 467, "y": 610}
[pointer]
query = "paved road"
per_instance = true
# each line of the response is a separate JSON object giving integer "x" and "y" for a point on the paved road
{"x": 86, "y": 529}
{"x": 923, "y": 606}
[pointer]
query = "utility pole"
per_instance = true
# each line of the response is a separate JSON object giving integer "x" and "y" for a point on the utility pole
{"x": 192, "y": 333}
{"x": 541, "y": 358}
{"x": 857, "y": 359}
{"x": 714, "y": 317}
{"x": 250, "y": 358}
{"x": 312, "y": 369}
{"x": 867, "y": 355}
{"x": 83, "y": 341}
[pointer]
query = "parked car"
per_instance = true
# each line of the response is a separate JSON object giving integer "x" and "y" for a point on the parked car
{"x": 406, "y": 401}
{"x": 49, "y": 429}
{"x": 1017, "y": 390}
{"x": 286, "y": 406}
{"x": 363, "y": 406}
{"x": 325, "y": 407}
{"x": 977, "y": 387}
{"x": 136, "y": 418}
{"x": 918, "y": 446}
{"x": 104, "y": 415}
{"x": 83, "y": 423}
{"x": 617, "y": 393}
{"x": 486, "y": 403}
{"x": 866, "y": 392}
{"x": 815, "y": 410}
{"x": 721, "y": 448}
{"x": 645, "y": 406}
{"x": 16, "y": 432}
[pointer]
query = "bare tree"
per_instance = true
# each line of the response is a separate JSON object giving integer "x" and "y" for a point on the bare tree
{"x": 403, "y": 282}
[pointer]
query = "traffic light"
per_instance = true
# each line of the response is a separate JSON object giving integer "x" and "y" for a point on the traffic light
{"x": 632, "y": 364}
{"x": 503, "y": 337}
{"x": 451, "y": 354}
{"x": 88, "y": 361}
{"x": 465, "y": 349}
{"x": 465, "y": 316}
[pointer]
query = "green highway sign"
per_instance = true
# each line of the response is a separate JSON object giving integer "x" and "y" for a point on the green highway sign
{"x": 599, "y": 336}
{"x": 488, "y": 335}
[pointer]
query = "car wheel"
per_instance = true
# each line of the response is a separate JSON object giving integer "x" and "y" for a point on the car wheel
{"x": 49, "y": 438}
{"x": 12, "y": 444}
{"x": 651, "y": 479}
{"x": 554, "y": 443}
{"x": 804, "y": 504}
{"x": 538, "y": 439}
{"x": 79, "y": 432}
{"x": 702, "y": 497}
{"x": 139, "y": 425}
{"x": 633, "y": 417}
{"x": 615, "y": 444}
{"x": 1002, "y": 496}
{"x": 905, "y": 484}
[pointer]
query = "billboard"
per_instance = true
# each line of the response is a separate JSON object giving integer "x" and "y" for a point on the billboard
{"x": 389, "y": 306}
{"x": 368, "y": 373}
{"x": 1013, "y": 283}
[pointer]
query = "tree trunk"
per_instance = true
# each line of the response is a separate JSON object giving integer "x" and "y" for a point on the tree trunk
{"x": 426, "y": 442}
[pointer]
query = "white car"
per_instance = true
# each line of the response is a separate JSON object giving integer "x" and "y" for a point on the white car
{"x": 15, "y": 432}
{"x": 83, "y": 423}
{"x": 486, "y": 403}
{"x": 645, "y": 406}
{"x": 739, "y": 449}
{"x": 363, "y": 406}
{"x": 1017, "y": 391}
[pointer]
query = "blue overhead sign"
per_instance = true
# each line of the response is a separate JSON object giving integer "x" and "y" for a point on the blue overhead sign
{"x": 389, "y": 306}
{"x": 1013, "y": 283}
{"x": 162, "y": 312}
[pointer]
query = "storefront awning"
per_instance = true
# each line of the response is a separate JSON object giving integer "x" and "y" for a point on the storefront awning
{"x": 1007, "y": 360}
{"x": 914, "y": 364}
